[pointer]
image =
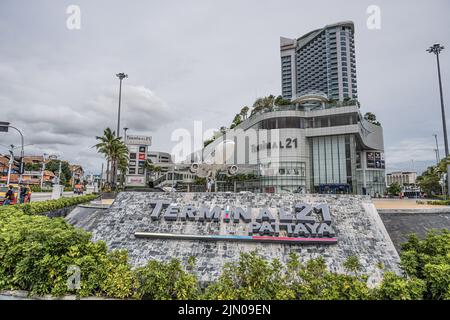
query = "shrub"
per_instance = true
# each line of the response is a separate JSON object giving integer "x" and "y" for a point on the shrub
{"x": 394, "y": 287}
{"x": 165, "y": 281}
{"x": 50, "y": 205}
{"x": 429, "y": 260}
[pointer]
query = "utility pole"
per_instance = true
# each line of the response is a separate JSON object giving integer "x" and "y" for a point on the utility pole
{"x": 436, "y": 49}
{"x": 43, "y": 170}
{"x": 59, "y": 172}
{"x": 11, "y": 159}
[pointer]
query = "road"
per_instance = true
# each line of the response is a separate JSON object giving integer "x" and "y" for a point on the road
{"x": 42, "y": 196}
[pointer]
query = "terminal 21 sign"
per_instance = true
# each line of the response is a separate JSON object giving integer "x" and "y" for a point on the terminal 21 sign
{"x": 304, "y": 223}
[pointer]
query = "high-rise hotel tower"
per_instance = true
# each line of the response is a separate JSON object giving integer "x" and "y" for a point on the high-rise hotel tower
{"x": 322, "y": 61}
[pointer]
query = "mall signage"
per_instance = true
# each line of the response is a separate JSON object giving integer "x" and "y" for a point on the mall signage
{"x": 139, "y": 140}
{"x": 288, "y": 143}
{"x": 303, "y": 223}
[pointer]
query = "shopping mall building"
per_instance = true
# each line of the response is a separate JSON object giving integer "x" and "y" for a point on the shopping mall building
{"x": 320, "y": 142}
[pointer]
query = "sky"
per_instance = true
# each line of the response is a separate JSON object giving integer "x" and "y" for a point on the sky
{"x": 202, "y": 60}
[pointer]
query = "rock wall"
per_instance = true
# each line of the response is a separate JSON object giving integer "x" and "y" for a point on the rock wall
{"x": 359, "y": 231}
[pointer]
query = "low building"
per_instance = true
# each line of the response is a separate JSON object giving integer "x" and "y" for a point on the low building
{"x": 77, "y": 173}
{"x": 401, "y": 177}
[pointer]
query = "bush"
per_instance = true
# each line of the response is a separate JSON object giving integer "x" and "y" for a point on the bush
{"x": 50, "y": 205}
{"x": 165, "y": 281}
{"x": 395, "y": 287}
{"x": 439, "y": 202}
{"x": 37, "y": 254}
{"x": 429, "y": 260}
{"x": 252, "y": 277}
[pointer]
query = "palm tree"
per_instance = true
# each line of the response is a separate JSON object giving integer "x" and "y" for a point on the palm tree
{"x": 119, "y": 157}
{"x": 105, "y": 147}
{"x": 262, "y": 104}
{"x": 115, "y": 152}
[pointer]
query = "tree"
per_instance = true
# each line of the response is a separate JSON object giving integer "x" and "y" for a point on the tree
{"x": 280, "y": 101}
{"x": 370, "y": 117}
{"x": 244, "y": 112}
{"x": 263, "y": 104}
{"x": 115, "y": 152}
{"x": 428, "y": 181}
{"x": 32, "y": 166}
{"x": 66, "y": 174}
{"x": 236, "y": 121}
{"x": 394, "y": 189}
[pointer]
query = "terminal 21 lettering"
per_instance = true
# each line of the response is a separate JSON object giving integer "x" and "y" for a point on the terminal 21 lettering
{"x": 289, "y": 143}
{"x": 303, "y": 220}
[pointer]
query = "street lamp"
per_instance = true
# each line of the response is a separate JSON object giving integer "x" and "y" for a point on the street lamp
{"x": 436, "y": 49}
{"x": 438, "y": 157}
{"x": 121, "y": 76}
{"x": 125, "y": 135}
{"x": 4, "y": 128}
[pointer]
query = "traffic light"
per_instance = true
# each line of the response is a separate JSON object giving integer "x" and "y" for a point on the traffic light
{"x": 4, "y": 126}
{"x": 16, "y": 163}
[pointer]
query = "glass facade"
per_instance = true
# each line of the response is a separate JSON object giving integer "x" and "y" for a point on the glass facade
{"x": 331, "y": 161}
{"x": 344, "y": 119}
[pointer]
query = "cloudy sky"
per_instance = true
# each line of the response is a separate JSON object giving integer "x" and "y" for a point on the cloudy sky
{"x": 204, "y": 60}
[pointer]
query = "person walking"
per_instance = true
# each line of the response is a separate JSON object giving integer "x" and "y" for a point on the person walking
{"x": 9, "y": 196}
{"x": 28, "y": 196}
{"x": 22, "y": 193}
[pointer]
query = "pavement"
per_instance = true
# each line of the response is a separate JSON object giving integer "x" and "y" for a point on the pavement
{"x": 42, "y": 196}
{"x": 404, "y": 204}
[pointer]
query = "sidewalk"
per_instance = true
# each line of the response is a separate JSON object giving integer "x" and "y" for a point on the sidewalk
{"x": 404, "y": 204}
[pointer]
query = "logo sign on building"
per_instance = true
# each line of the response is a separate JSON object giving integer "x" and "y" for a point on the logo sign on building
{"x": 375, "y": 160}
{"x": 136, "y": 181}
{"x": 139, "y": 140}
{"x": 303, "y": 223}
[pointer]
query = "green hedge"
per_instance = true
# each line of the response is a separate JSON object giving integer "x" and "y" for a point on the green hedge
{"x": 36, "y": 253}
{"x": 439, "y": 202}
{"x": 50, "y": 205}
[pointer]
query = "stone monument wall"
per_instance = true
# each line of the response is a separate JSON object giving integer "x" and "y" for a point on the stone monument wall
{"x": 358, "y": 227}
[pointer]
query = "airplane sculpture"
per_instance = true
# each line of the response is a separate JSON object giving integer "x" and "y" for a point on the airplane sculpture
{"x": 215, "y": 163}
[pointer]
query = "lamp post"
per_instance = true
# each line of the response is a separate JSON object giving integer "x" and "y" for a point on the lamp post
{"x": 4, "y": 128}
{"x": 436, "y": 49}
{"x": 125, "y": 135}
{"x": 438, "y": 157}
{"x": 121, "y": 76}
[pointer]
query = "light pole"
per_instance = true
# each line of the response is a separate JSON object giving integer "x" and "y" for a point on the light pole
{"x": 125, "y": 135}
{"x": 438, "y": 157}
{"x": 121, "y": 76}
{"x": 436, "y": 49}
{"x": 4, "y": 128}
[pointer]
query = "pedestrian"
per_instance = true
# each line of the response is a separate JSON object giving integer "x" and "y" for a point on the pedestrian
{"x": 22, "y": 193}
{"x": 9, "y": 196}
{"x": 28, "y": 196}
